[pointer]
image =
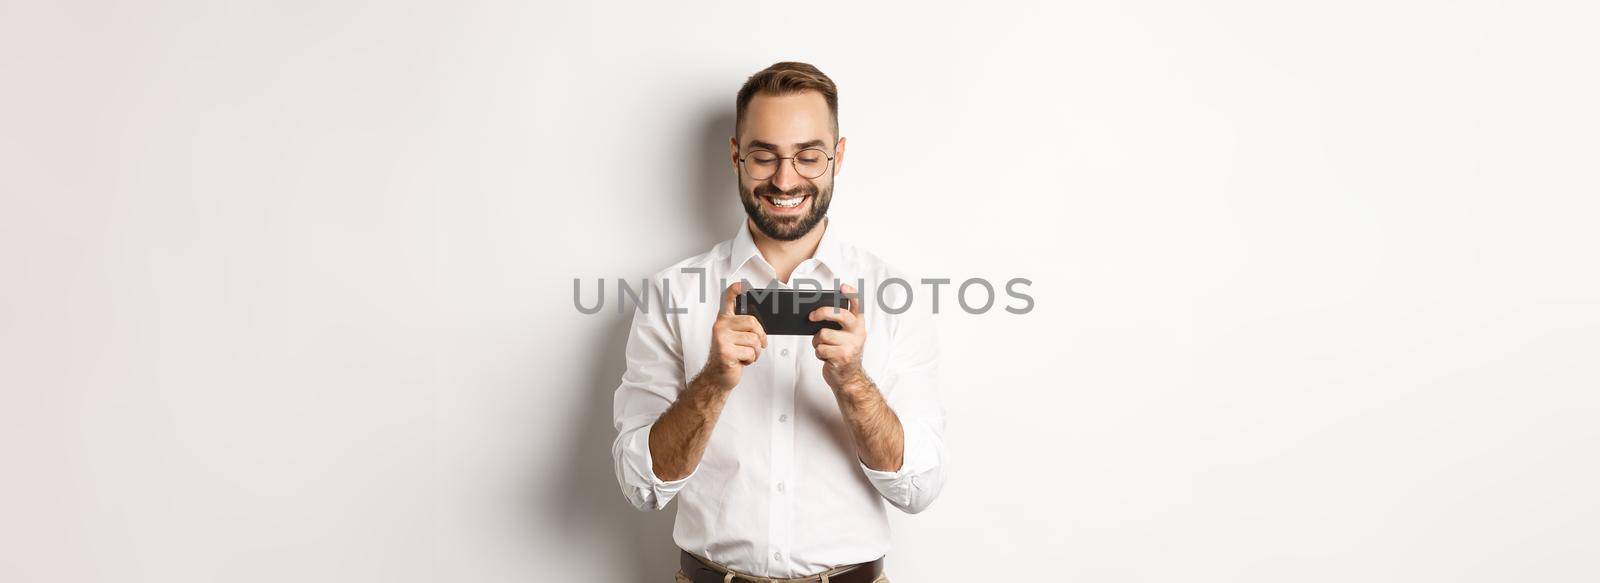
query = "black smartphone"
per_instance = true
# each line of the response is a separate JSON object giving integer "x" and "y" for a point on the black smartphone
{"x": 788, "y": 311}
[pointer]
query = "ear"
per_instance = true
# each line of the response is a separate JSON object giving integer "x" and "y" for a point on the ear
{"x": 733, "y": 154}
{"x": 838, "y": 157}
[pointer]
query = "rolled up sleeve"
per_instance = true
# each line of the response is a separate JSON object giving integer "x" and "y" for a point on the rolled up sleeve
{"x": 651, "y": 383}
{"x": 910, "y": 388}
{"x": 636, "y": 474}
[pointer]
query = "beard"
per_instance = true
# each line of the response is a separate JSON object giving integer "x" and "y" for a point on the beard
{"x": 785, "y": 228}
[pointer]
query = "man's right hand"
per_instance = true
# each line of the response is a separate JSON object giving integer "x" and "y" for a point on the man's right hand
{"x": 678, "y": 438}
{"x": 736, "y": 341}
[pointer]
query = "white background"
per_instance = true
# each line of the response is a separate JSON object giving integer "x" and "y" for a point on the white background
{"x": 287, "y": 286}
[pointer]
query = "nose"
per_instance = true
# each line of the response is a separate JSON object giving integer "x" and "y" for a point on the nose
{"x": 786, "y": 176}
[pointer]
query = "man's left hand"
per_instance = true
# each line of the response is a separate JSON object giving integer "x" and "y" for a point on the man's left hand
{"x": 840, "y": 350}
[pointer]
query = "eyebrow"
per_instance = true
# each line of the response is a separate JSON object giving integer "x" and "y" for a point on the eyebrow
{"x": 797, "y": 145}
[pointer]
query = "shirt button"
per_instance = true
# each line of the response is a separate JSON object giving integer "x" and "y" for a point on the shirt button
{"x": 784, "y": 352}
{"x": 777, "y": 556}
{"x": 780, "y": 486}
{"x": 784, "y": 418}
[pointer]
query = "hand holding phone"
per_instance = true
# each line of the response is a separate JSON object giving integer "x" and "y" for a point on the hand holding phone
{"x": 736, "y": 342}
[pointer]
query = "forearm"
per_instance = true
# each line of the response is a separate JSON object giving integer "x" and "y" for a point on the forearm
{"x": 879, "y": 438}
{"x": 678, "y": 438}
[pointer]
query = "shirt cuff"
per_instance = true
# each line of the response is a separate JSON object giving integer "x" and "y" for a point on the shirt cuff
{"x": 651, "y": 486}
{"x": 918, "y": 458}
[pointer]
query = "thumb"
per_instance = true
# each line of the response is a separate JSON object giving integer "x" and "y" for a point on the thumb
{"x": 729, "y": 297}
{"x": 854, "y": 298}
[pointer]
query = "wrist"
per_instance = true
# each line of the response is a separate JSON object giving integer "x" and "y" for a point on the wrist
{"x": 854, "y": 385}
{"x": 714, "y": 380}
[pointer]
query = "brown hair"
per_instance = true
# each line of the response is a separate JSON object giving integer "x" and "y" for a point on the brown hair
{"x": 786, "y": 78}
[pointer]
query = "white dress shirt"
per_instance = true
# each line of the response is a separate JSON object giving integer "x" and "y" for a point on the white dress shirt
{"x": 780, "y": 491}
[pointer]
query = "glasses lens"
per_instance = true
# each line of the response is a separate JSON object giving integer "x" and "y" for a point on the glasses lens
{"x": 761, "y": 164}
{"x": 811, "y": 163}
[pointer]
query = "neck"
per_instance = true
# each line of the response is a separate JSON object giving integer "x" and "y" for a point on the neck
{"x": 785, "y": 256}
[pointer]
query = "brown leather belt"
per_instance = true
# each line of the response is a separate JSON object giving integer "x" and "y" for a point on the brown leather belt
{"x": 699, "y": 572}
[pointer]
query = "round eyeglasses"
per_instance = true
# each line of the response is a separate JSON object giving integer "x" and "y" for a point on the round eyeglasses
{"x": 808, "y": 163}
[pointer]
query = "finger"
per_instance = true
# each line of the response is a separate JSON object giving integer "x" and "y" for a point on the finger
{"x": 827, "y": 352}
{"x": 749, "y": 324}
{"x": 826, "y": 336}
{"x": 746, "y": 354}
{"x": 832, "y": 314}
{"x": 855, "y": 300}
{"x": 749, "y": 339}
{"x": 729, "y": 298}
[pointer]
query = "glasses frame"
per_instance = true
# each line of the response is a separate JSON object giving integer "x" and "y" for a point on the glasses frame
{"x": 792, "y": 163}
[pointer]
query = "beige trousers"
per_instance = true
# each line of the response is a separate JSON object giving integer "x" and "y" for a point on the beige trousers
{"x": 680, "y": 578}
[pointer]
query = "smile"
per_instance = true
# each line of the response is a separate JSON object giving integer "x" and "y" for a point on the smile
{"x": 786, "y": 203}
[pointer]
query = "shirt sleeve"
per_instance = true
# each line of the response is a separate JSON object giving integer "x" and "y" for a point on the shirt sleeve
{"x": 651, "y": 383}
{"x": 909, "y": 386}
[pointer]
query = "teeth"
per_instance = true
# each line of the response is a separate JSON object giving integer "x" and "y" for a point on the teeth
{"x": 788, "y": 202}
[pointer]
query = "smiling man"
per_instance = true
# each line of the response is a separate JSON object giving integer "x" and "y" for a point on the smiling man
{"x": 781, "y": 450}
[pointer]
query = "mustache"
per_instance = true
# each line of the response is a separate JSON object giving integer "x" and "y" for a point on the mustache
{"x": 767, "y": 189}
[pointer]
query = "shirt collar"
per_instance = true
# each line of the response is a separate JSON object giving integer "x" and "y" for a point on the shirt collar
{"x": 744, "y": 247}
{"x": 829, "y": 251}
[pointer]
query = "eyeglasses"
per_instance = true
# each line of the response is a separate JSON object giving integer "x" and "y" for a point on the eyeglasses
{"x": 808, "y": 163}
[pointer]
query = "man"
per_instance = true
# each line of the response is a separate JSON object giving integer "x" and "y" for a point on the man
{"x": 781, "y": 454}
